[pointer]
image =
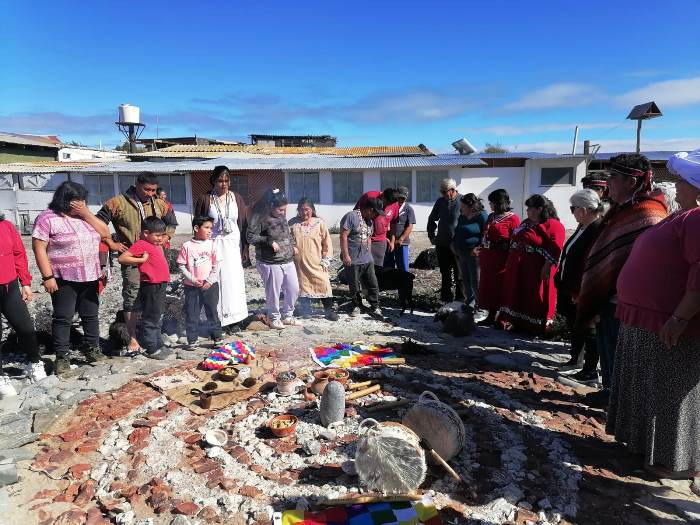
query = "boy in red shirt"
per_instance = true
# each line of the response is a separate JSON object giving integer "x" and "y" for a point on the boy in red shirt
{"x": 147, "y": 254}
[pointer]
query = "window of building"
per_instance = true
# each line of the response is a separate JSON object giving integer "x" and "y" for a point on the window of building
{"x": 125, "y": 182}
{"x": 174, "y": 186}
{"x": 239, "y": 184}
{"x": 347, "y": 186}
{"x": 557, "y": 177}
{"x": 428, "y": 183}
{"x": 394, "y": 179}
{"x": 303, "y": 184}
{"x": 100, "y": 188}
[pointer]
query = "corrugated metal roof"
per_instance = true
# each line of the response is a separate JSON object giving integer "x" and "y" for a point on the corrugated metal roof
{"x": 524, "y": 155}
{"x": 657, "y": 156}
{"x": 48, "y": 141}
{"x": 266, "y": 162}
{"x": 202, "y": 151}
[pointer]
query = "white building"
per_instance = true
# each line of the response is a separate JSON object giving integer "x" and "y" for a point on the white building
{"x": 69, "y": 153}
{"x": 333, "y": 182}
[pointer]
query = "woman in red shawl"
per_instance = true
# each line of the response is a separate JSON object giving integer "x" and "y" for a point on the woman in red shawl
{"x": 493, "y": 252}
{"x": 529, "y": 295}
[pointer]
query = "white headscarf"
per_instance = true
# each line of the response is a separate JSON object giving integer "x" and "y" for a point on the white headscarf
{"x": 686, "y": 164}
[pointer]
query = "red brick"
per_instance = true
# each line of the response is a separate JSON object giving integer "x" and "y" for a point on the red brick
{"x": 87, "y": 447}
{"x": 95, "y": 517}
{"x": 137, "y": 447}
{"x": 209, "y": 515}
{"x": 187, "y": 508}
{"x": 227, "y": 483}
{"x": 143, "y": 423}
{"x": 206, "y": 466}
{"x": 46, "y": 494}
{"x": 61, "y": 456}
{"x": 193, "y": 438}
{"x": 73, "y": 434}
{"x": 171, "y": 405}
{"x": 156, "y": 414}
{"x": 249, "y": 491}
{"x": 79, "y": 470}
{"x": 139, "y": 434}
{"x": 87, "y": 492}
{"x": 71, "y": 517}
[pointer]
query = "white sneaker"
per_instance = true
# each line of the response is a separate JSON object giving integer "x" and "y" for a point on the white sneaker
{"x": 35, "y": 371}
{"x": 277, "y": 325}
{"x": 291, "y": 321}
{"x": 6, "y": 388}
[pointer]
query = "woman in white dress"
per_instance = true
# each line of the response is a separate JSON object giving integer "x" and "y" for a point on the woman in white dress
{"x": 230, "y": 215}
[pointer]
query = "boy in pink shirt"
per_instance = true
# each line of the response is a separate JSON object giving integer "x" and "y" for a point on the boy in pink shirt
{"x": 199, "y": 263}
{"x": 147, "y": 254}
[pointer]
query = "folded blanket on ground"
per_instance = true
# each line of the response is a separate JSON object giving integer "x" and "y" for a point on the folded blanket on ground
{"x": 348, "y": 355}
{"x": 229, "y": 354}
{"x": 395, "y": 513}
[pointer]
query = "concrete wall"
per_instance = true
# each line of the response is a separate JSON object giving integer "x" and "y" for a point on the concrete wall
{"x": 76, "y": 154}
{"x": 520, "y": 182}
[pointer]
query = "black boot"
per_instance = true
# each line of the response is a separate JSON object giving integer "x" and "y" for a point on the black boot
{"x": 328, "y": 309}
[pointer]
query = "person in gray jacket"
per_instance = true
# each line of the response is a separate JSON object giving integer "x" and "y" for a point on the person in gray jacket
{"x": 441, "y": 229}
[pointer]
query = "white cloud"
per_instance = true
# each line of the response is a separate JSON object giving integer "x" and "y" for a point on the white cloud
{"x": 667, "y": 94}
{"x": 672, "y": 144}
{"x": 508, "y": 130}
{"x": 565, "y": 94}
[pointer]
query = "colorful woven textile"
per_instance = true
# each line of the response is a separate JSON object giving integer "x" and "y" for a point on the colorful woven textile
{"x": 394, "y": 513}
{"x": 344, "y": 355}
{"x": 230, "y": 353}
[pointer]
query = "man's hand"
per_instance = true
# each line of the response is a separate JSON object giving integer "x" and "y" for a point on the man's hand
{"x": 206, "y": 285}
{"x": 198, "y": 283}
{"x": 50, "y": 285}
{"x": 27, "y": 295}
{"x": 115, "y": 246}
{"x": 671, "y": 331}
{"x": 275, "y": 246}
{"x": 390, "y": 244}
{"x": 347, "y": 261}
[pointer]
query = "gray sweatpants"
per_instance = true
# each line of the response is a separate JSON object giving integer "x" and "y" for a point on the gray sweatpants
{"x": 279, "y": 278}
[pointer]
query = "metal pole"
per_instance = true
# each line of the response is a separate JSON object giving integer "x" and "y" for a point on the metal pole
{"x": 639, "y": 134}
{"x": 573, "y": 148}
{"x": 132, "y": 139}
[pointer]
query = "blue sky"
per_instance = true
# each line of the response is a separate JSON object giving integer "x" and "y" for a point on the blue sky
{"x": 371, "y": 73}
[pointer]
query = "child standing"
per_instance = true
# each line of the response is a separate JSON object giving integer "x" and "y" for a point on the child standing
{"x": 275, "y": 249}
{"x": 355, "y": 238}
{"x": 199, "y": 263}
{"x": 147, "y": 254}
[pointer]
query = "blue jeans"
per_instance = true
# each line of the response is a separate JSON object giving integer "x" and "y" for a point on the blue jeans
{"x": 398, "y": 258}
{"x": 606, "y": 333}
{"x": 195, "y": 299}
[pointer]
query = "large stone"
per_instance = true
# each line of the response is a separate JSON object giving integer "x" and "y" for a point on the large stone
{"x": 332, "y": 403}
{"x": 36, "y": 402}
{"x": 17, "y": 440}
{"x": 17, "y": 454}
{"x": 45, "y": 418}
{"x": 15, "y": 424}
{"x": 8, "y": 474}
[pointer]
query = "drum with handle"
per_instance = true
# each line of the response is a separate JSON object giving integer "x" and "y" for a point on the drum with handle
{"x": 389, "y": 458}
{"x": 438, "y": 424}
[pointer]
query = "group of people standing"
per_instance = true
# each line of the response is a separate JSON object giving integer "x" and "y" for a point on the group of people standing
{"x": 627, "y": 283}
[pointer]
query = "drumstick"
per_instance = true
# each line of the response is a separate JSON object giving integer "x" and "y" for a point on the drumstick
{"x": 355, "y": 386}
{"x": 362, "y": 393}
{"x": 442, "y": 462}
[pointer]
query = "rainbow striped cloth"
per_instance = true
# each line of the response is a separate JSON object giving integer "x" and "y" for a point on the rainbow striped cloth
{"x": 390, "y": 513}
{"x": 230, "y": 353}
{"x": 349, "y": 355}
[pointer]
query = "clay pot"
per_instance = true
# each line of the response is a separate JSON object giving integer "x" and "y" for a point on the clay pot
{"x": 309, "y": 395}
{"x": 321, "y": 379}
{"x": 227, "y": 374}
{"x": 283, "y": 431}
{"x": 205, "y": 401}
{"x": 288, "y": 386}
{"x": 339, "y": 374}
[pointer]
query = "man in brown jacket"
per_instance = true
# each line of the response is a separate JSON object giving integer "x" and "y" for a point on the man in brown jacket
{"x": 126, "y": 212}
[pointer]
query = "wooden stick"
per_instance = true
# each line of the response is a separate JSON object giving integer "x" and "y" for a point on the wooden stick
{"x": 393, "y": 361}
{"x": 371, "y": 498}
{"x": 362, "y": 393}
{"x": 438, "y": 458}
{"x": 355, "y": 386}
{"x": 385, "y": 406}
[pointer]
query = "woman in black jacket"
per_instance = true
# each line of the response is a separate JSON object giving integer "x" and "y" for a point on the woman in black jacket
{"x": 588, "y": 209}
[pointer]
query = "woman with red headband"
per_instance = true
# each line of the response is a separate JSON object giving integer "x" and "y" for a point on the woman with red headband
{"x": 634, "y": 210}
{"x": 655, "y": 400}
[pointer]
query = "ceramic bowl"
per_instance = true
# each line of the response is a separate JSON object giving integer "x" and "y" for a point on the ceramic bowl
{"x": 283, "y": 425}
{"x": 216, "y": 437}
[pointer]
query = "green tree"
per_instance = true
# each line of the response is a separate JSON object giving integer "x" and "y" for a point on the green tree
{"x": 494, "y": 148}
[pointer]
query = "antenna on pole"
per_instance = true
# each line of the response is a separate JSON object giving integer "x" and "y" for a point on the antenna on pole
{"x": 573, "y": 147}
{"x": 641, "y": 112}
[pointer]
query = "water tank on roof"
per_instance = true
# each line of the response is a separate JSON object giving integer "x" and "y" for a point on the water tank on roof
{"x": 129, "y": 114}
{"x": 463, "y": 146}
